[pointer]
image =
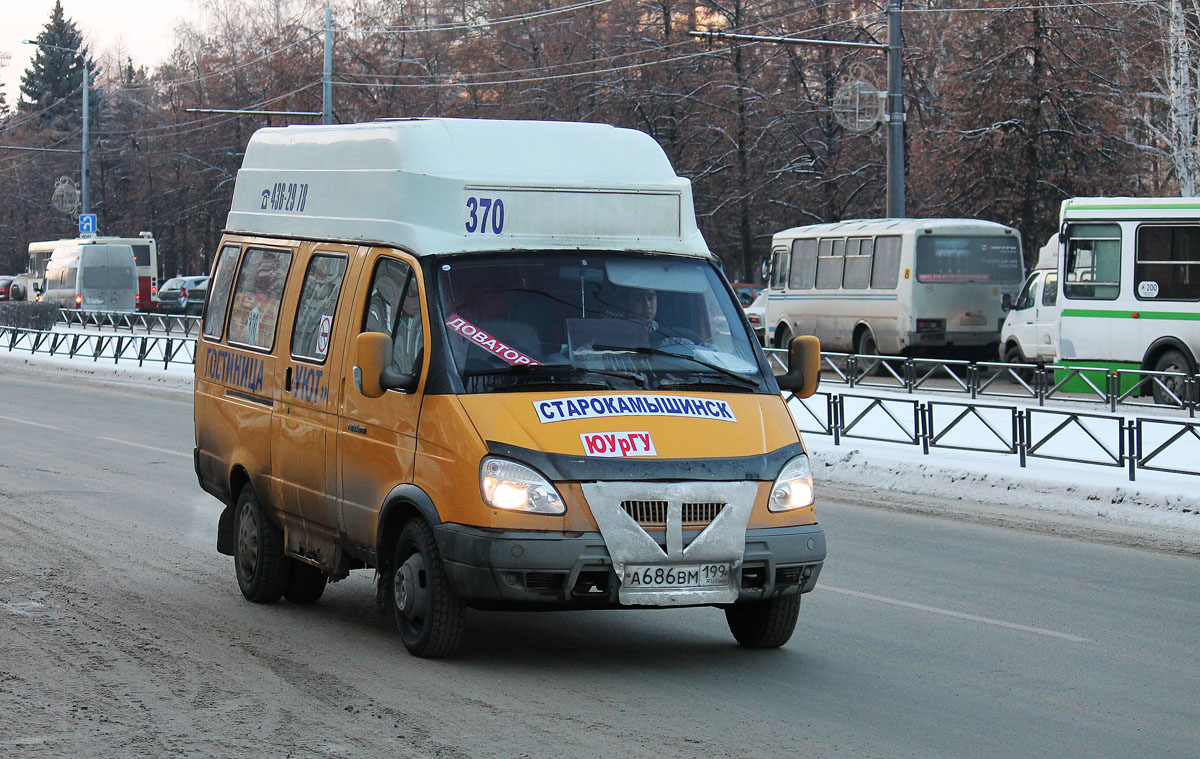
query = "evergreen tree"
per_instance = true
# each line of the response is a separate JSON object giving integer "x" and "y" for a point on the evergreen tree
{"x": 51, "y": 84}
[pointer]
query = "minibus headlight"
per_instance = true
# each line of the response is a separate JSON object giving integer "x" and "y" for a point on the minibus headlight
{"x": 793, "y": 488}
{"x": 515, "y": 487}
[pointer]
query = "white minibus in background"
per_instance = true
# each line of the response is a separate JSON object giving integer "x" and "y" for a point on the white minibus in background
{"x": 145, "y": 251}
{"x": 894, "y": 286}
{"x": 91, "y": 277}
{"x": 1130, "y": 276}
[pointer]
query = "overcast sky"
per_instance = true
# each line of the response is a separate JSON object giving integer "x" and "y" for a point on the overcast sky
{"x": 144, "y": 29}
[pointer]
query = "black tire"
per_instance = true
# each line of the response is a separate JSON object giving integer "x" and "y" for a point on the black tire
{"x": 430, "y": 616}
{"x": 1171, "y": 361}
{"x": 1013, "y": 355}
{"x": 865, "y": 345}
{"x": 306, "y": 583}
{"x": 261, "y": 567}
{"x": 764, "y": 624}
{"x": 783, "y": 337}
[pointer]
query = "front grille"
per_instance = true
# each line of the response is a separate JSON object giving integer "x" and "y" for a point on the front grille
{"x": 654, "y": 513}
{"x": 545, "y": 581}
{"x": 786, "y": 576}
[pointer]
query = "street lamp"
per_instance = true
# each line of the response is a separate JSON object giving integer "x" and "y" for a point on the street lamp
{"x": 83, "y": 184}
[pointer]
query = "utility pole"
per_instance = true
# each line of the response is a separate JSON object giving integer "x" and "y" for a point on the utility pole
{"x": 327, "y": 73}
{"x": 894, "y": 114}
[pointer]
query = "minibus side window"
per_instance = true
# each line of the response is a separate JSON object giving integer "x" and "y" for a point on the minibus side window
{"x": 394, "y": 308}
{"x": 1050, "y": 289}
{"x": 1093, "y": 266}
{"x": 256, "y": 297}
{"x": 1167, "y": 266}
{"x": 830, "y": 255}
{"x": 218, "y": 293}
{"x": 804, "y": 264}
{"x": 858, "y": 264}
{"x": 885, "y": 270}
{"x": 318, "y": 303}
{"x": 779, "y": 269}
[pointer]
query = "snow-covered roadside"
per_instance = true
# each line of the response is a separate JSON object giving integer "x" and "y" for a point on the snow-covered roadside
{"x": 986, "y": 487}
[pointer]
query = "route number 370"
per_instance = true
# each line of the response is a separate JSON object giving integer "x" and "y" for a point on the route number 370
{"x": 485, "y": 215}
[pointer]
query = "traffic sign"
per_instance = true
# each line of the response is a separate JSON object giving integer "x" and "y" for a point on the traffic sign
{"x": 87, "y": 225}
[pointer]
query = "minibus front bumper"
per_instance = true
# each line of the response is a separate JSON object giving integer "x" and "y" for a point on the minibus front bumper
{"x": 504, "y": 568}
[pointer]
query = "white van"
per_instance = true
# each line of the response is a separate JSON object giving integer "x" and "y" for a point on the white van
{"x": 1030, "y": 331}
{"x": 92, "y": 277}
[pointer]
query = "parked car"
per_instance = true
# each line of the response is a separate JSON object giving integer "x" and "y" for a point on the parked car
{"x": 746, "y": 292}
{"x": 183, "y": 295}
{"x": 756, "y": 314}
{"x": 5, "y": 284}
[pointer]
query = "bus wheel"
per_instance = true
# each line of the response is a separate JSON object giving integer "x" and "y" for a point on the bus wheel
{"x": 783, "y": 337}
{"x": 865, "y": 346}
{"x": 306, "y": 584}
{"x": 764, "y": 624}
{"x": 430, "y": 616}
{"x": 262, "y": 569}
{"x": 1170, "y": 361}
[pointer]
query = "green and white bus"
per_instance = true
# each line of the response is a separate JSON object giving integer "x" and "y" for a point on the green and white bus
{"x": 1129, "y": 271}
{"x": 894, "y": 286}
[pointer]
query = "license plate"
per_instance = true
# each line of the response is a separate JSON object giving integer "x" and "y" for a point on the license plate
{"x": 656, "y": 576}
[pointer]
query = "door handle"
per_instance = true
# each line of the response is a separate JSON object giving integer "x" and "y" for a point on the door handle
{"x": 287, "y": 380}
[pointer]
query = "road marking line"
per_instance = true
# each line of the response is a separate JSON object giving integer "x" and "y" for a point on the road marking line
{"x": 147, "y": 447}
{"x": 954, "y": 614}
{"x": 32, "y": 424}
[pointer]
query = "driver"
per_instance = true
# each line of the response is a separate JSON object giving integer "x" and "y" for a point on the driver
{"x": 642, "y": 306}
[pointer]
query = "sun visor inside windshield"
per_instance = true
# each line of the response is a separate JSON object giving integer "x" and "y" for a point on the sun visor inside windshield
{"x": 684, "y": 277}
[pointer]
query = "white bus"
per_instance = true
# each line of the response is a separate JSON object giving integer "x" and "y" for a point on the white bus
{"x": 894, "y": 286}
{"x": 145, "y": 250}
{"x": 1129, "y": 273}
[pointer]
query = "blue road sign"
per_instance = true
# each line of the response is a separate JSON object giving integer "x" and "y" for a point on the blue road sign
{"x": 87, "y": 224}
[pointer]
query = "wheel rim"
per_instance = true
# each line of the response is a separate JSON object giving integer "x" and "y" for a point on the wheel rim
{"x": 247, "y": 542}
{"x": 411, "y": 590}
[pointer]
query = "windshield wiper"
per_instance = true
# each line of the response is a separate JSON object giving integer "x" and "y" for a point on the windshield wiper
{"x": 644, "y": 350}
{"x": 532, "y": 370}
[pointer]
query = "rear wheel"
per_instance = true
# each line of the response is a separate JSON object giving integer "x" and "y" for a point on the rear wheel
{"x": 783, "y": 337}
{"x": 306, "y": 584}
{"x": 764, "y": 624}
{"x": 262, "y": 568}
{"x": 865, "y": 345}
{"x": 429, "y": 614}
{"x": 1170, "y": 361}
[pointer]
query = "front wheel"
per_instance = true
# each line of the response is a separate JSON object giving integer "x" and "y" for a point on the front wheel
{"x": 764, "y": 624}
{"x": 1013, "y": 355}
{"x": 430, "y": 616}
{"x": 783, "y": 337}
{"x": 262, "y": 568}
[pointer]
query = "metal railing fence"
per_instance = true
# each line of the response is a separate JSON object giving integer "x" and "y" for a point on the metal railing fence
{"x": 144, "y": 349}
{"x": 132, "y": 321}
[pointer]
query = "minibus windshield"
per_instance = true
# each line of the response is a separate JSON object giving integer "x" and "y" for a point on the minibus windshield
{"x": 593, "y": 321}
{"x": 969, "y": 259}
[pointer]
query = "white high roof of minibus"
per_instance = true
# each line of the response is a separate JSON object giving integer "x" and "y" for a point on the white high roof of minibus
{"x": 425, "y": 184}
{"x": 1130, "y": 208}
{"x": 851, "y": 227}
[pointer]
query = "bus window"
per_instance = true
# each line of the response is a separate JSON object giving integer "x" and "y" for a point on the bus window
{"x": 1093, "y": 266}
{"x": 858, "y": 264}
{"x": 969, "y": 259}
{"x": 779, "y": 269}
{"x": 830, "y": 256}
{"x": 1167, "y": 263}
{"x": 218, "y": 293}
{"x": 885, "y": 270}
{"x": 804, "y": 264}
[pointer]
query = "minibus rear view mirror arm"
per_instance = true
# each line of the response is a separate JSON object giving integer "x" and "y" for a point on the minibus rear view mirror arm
{"x": 804, "y": 366}
{"x": 373, "y": 374}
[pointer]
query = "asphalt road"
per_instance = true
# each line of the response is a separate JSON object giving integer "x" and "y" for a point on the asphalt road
{"x": 123, "y": 634}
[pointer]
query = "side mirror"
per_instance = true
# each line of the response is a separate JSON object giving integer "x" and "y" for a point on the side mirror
{"x": 804, "y": 366}
{"x": 373, "y": 374}
{"x": 1006, "y": 302}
